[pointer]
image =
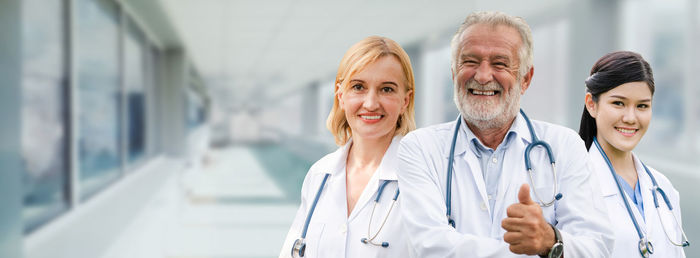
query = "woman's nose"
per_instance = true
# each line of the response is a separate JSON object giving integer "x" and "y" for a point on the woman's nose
{"x": 371, "y": 101}
{"x": 630, "y": 115}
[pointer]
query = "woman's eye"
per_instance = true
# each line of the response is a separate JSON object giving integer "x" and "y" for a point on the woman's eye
{"x": 643, "y": 106}
{"x": 357, "y": 87}
{"x": 387, "y": 89}
{"x": 618, "y": 103}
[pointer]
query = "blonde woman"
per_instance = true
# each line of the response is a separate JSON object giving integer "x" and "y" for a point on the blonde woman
{"x": 348, "y": 199}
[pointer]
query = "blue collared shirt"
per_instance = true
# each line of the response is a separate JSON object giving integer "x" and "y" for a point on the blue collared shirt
{"x": 491, "y": 160}
{"x": 634, "y": 194}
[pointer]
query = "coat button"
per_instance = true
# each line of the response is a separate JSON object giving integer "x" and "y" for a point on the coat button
{"x": 343, "y": 229}
{"x": 483, "y": 206}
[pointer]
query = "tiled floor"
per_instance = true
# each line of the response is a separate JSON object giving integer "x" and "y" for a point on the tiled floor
{"x": 230, "y": 207}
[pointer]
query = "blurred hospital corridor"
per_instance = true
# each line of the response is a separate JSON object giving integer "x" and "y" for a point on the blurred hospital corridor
{"x": 238, "y": 203}
{"x": 185, "y": 128}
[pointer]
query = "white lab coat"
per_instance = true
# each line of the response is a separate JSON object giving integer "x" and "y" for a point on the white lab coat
{"x": 423, "y": 157}
{"x": 331, "y": 232}
{"x": 626, "y": 237}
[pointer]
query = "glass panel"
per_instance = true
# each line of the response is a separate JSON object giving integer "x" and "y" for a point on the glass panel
{"x": 99, "y": 95}
{"x": 44, "y": 112}
{"x": 195, "y": 109}
{"x": 135, "y": 70}
{"x": 654, "y": 29}
{"x": 435, "y": 105}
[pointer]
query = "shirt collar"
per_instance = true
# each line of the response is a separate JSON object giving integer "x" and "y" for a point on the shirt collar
{"x": 518, "y": 130}
{"x": 387, "y": 169}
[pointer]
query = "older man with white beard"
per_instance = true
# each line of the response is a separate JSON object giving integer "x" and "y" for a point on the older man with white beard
{"x": 485, "y": 208}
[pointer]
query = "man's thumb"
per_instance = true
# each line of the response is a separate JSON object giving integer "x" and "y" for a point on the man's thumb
{"x": 524, "y": 194}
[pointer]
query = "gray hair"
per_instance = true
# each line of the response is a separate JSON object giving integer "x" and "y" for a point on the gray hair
{"x": 498, "y": 18}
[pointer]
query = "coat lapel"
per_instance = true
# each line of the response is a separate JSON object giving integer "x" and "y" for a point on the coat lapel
{"x": 645, "y": 187}
{"x": 513, "y": 173}
{"x": 609, "y": 188}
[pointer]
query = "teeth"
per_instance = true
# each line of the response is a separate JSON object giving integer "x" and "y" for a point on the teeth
{"x": 371, "y": 117}
{"x": 487, "y": 93}
{"x": 629, "y": 131}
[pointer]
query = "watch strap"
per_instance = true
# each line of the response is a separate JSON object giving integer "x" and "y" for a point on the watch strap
{"x": 557, "y": 241}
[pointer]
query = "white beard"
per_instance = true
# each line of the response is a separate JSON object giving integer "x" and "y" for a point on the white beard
{"x": 491, "y": 113}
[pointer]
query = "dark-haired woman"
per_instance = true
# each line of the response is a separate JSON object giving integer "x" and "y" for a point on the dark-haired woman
{"x": 642, "y": 203}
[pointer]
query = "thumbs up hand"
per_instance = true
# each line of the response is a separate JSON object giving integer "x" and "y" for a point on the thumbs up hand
{"x": 526, "y": 230}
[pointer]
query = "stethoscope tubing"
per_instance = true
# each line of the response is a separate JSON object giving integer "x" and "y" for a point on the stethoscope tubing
{"x": 655, "y": 188}
{"x": 313, "y": 206}
{"x": 535, "y": 142}
{"x": 619, "y": 188}
{"x": 370, "y": 238}
{"x": 448, "y": 198}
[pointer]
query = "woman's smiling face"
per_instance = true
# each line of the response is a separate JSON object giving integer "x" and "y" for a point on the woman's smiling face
{"x": 622, "y": 115}
{"x": 375, "y": 98}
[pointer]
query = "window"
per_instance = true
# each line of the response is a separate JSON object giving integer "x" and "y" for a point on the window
{"x": 195, "y": 109}
{"x": 435, "y": 105}
{"x": 659, "y": 32}
{"x": 135, "y": 70}
{"x": 45, "y": 131}
{"x": 98, "y": 95}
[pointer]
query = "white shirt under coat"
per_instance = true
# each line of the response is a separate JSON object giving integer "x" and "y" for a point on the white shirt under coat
{"x": 626, "y": 237}
{"x": 331, "y": 232}
{"x": 423, "y": 160}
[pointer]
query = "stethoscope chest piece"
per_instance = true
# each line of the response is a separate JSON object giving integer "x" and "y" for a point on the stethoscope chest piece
{"x": 645, "y": 248}
{"x": 299, "y": 248}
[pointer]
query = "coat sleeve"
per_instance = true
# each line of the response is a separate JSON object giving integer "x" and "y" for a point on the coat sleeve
{"x": 298, "y": 222}
{"x": 580, "y": 214}
{"x": 423, "y": 208}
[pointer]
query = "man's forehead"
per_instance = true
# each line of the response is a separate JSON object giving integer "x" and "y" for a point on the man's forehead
{"x": 492, "y": 32}
{"x": 498, "y": 38}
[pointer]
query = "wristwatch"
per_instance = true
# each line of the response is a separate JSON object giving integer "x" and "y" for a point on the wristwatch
{"x": 557, "y": 249}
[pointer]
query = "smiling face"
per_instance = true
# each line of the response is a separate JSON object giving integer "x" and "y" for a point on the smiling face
{"x": 622, "y": 115}
{"x": 486, "y": 80}
{"x": 374, "y": 98}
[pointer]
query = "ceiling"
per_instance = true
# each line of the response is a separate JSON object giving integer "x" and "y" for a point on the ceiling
{"x": 253, "y": 49}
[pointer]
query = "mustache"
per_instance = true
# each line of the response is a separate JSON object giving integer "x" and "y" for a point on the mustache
{"x": 491, "y": 86}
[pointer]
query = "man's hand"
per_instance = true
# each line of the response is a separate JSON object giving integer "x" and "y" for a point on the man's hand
{"x": 526, "y": 230}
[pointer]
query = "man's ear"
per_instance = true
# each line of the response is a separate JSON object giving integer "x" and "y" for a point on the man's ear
{"x": 591, "y": 106}
{"x": 526, "y": 80}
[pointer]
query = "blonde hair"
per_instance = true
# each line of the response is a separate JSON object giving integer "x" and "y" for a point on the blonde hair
{"x": 494, "y": 19}
{"x": 357, "y": 58}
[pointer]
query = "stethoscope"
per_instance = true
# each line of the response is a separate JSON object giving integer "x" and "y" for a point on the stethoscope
{"x": 370, "y": 240}
{"x": 528, "y": 164}
{"x": 645, "y": 247}
{"x": 299, "y": 247}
